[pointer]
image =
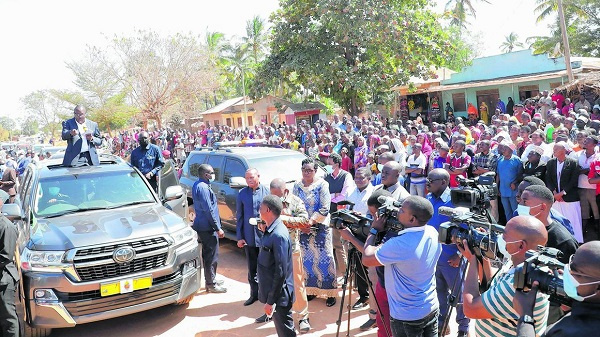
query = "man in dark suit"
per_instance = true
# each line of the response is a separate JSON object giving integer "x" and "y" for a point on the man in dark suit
{"x": 562, "y": 174}
{"x": 82, "y": 136}
{"x": 9, "y": 278}
{"x": 275, "y": 275}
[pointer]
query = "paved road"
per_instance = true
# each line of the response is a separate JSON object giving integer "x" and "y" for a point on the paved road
{"x": 223, "y": 315}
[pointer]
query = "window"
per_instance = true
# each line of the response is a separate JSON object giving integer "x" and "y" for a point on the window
{"x": 250, "y": 121}
{"x": 239, "y": 122}
{"x": 194, "y": 162}
{"x": 167, "y": 177}
{"x": 217, "y": 164}
{"x": 233, "y": 168}
{"x": 458, "y": 101}
{"x": 528, "y": 91}
{"x": 216, "y": 122}
{"x": 228, "y": 121}
{"x": 555, "y": 85}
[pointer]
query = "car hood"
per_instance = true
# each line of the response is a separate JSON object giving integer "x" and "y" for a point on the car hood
{"x": 103, "y": 227}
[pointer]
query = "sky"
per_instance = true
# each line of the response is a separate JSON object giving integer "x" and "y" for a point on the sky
{"x": 39, "y": 36}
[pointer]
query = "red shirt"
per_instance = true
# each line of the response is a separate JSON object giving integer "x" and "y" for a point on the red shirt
{"x": 595, "y": 169}
{"x": 463, "y": 161}
{"x": 346, "y": 163}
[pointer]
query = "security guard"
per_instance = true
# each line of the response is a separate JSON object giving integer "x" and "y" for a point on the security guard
{"x": 9, "y": 277}
{"x": 275, "y": 274}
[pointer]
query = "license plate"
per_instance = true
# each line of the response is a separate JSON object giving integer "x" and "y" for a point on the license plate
{"x": 125, "y": 286}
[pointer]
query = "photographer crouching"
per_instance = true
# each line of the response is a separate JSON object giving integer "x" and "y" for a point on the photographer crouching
{"x": 492, "y": 309}
{"x": 581, "y": 282}
{"x": 409, "y": 261}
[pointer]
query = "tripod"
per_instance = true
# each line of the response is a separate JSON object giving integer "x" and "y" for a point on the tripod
{"x": 353, "y": 262}
{"x": 453, "y": 298}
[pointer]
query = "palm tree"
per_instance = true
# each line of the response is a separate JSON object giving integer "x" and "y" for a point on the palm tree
{"x": 511, "y": 42}
{"x": 459, "y": 10}
{"x": 215, "y": 43}
{"x": 256, "y": 37}
{"x": 545, "y": 8}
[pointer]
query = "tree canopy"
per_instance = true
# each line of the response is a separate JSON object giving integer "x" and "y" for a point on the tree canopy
{"x": 351, "y": 50}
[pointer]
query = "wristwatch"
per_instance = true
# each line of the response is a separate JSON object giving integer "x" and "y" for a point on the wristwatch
{"x": 527, "y": 319}
{"x": 373, "y": 231}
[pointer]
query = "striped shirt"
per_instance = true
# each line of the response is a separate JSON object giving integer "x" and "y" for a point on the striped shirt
{"x": 498, "y": 301}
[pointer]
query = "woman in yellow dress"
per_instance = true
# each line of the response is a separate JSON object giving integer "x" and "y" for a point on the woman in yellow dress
{"x": 484, "y": 112}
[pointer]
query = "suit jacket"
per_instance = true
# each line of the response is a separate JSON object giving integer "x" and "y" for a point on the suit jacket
{"x": 8, "y": 243}
{"x": 74, "y": 142}
{"x": 568, "y": 178}
{"x": 9, "y": 180}
{"x": 275, "y": 275}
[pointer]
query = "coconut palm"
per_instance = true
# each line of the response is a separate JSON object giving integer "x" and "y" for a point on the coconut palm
{"x": 510, "y": 43}
{"x": 256, "y": 37}
{"x": 215, "y": 43}
{"x": 238, "y": 63}
{"x": 545, "y": 8}
{"x": 458, "y": 10}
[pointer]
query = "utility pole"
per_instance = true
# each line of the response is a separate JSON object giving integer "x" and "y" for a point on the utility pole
{"x": 563, "y": 29}
{"x": 245, "y": 114}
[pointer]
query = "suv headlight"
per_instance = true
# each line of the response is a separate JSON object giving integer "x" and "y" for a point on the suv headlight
{"x": 48, "y": 261}
{"x": 183, "y": 236}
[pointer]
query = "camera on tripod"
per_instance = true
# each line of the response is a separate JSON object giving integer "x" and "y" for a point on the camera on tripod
{"x": 358, "y": 224}
{"x": 542, "y": 265}
{"x": 390, "y": 208}
{"x": 475, "y": 193}
{"x": 480, "y": 233}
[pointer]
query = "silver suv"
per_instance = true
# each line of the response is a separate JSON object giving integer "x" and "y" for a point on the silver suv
{"x": 96, "y": 243}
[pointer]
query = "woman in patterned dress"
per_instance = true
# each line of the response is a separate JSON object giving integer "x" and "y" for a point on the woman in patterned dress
{"x": 361, "y": 153}
{"x": 316, "y": 243}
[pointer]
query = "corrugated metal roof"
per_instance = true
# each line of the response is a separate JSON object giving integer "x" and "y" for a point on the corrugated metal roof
{"x": 225, "y": 104}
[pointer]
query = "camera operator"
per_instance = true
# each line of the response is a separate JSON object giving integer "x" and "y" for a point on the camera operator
{"x": 373, "y": 205}
{"x": 491, "y": 310}
{"x": 581, "y": 279}
{"x": 409, "y": 259}
{"x": 447, "y": 266}
{"x": 540, "y": 199}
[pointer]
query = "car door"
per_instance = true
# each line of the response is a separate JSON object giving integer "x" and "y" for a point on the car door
{"x": 233, "y": 168}
{"x": 167, "y": 178}
{"x": 217, "y": 161}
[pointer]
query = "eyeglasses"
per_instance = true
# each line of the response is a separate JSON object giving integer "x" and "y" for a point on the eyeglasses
{"x": 432, "y": 180}
{"x": 308, "y": 170}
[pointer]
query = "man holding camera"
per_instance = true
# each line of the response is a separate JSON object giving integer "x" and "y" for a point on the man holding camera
{"x": 447, "y": 270}
{"x": 492, "y": 310}
{"x": 409, "y": 260}
{"x": 581, "y": 279}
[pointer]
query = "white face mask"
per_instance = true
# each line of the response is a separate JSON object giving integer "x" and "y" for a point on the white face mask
{"x": 380, "y": 167}
{"x": 570, "y": 285}
{"x": 502, "y": 246}
{"x": 526, "y": 210}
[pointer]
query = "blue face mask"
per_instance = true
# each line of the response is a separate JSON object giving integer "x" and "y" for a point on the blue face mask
{"x": 328, "y": 169}
{"x": 570, "y": 285}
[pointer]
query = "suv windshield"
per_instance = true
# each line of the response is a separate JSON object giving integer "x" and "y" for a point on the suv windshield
{"x": 288, "y": 168}
{"x": 74, "y": 193}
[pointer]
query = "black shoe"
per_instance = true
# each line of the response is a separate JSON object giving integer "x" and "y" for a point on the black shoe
{"x": 463, "y": 334}
{"x": 371, "y": 323}
{"x": 361, "y": 303}
{"x": 250, "y": 301}
{"x": 216, "y": 289}
{"x": 310, "y": 297}
{"x": 261, "y": 319}
{"x": 330, "y": 301}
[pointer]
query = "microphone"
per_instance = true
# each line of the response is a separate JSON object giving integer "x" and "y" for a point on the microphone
{"x": 389, "y": 201}
{"x": 256, "y": 221}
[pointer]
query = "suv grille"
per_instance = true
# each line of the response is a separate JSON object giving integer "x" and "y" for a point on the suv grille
{"x": 97, "y": 263}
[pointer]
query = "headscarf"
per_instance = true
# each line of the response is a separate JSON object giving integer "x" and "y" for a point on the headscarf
{"x": 467, "y": 132}
{"x": 426, "y": 148}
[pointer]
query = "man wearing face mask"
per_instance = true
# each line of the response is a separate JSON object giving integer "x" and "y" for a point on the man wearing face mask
{"x": 340, "y": 185}
{"x": 148, "y": 159}
{"x": 581, "y": 281}
{"x": 537, "y": 201}
{"x": 492, "y": 316}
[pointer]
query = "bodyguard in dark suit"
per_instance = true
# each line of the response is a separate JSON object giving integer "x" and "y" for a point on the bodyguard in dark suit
{"x": 148, "y": 159}
{"x": 82, "y": 136}
{"x": 9, "y": 277}
{"x": 275, "y": 275}
{"x": 248, "y": 236}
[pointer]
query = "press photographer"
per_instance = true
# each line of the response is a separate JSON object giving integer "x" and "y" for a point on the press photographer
{"x": 409, "y": 261}
{"x": 493, "y": 317}
{"x": 581, "y": 280}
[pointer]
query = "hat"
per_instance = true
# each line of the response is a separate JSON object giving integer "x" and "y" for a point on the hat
{"x": 584, "y": 119}
{"x": 596, "y": 107}
{"x": 537, "y": 149}
{"x": 508, "y": 143}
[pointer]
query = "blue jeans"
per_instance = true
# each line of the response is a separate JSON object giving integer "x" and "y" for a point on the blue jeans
{"x": 424, "y": 327}
{"x": 510, "y": 206}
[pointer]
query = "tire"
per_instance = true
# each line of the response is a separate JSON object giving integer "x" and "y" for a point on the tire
{"x": 36, "y": 332}
{"x": 186, "y": 300}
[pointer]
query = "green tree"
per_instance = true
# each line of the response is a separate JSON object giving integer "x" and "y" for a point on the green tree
{"x": 43, "y": 108}
{"x": 238, "y": 63}
{"x": 29, "y": 127}
{"x": 511, "y": 41}
{"x": 460, "y": 10}
{"x": 349, "y": 50}
{"x": 256, "y": 38}
{"x": 115, "y": 113}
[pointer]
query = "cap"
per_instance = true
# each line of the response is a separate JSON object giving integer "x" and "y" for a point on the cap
{"x": 508, "y": 143}
{"x": 537, "y": 149}
{"x": 596, "y": 107}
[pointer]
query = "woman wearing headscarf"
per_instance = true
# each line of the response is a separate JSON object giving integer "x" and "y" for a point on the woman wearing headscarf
{"x": 426, "y": 149}
{"x": 360, "y": 153}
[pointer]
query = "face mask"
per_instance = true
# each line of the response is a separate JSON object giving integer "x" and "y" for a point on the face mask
{"x": 502, "y": 246}
{"x": 143, "y": 143}
{"x": 379, "y": 167}
{"x": 328, "y": 169}
{"x": 53, "y": 190}
{"x": 570, "y": 285}
{"x": 526, "y": 210}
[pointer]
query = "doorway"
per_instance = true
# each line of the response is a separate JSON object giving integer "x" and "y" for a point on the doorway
{"x": 487, "y": 99}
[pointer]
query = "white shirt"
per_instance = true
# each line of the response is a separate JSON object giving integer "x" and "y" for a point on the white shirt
{"x": 584, "y": 163}
{"x": 559, "y": 168}
{"x": 82, "y": 128}
{"x": 419, "y": 162}
{"x": 360, "y": 198}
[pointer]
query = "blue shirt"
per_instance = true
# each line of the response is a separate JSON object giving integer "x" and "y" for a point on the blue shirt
{"x": 410, "y": 260}
{"x": 508, "y": 170}
{"x": 205, "y": 205}
{"x": 445, "y": 199}
{"x": 148, "y": 159}
{"x": 248, "y": 206}
{"x": 23, "y": 165}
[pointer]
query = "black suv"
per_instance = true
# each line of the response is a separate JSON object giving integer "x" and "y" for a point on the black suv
{"x": 96, "y": 242}
{"x": 230, "y": 165}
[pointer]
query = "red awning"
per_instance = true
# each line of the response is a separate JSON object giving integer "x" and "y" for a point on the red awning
{"x": 307, "y": 112}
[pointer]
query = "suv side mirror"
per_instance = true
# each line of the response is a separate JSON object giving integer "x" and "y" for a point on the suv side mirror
{"x": 237, "y": 182}
{"x": 173, "y": 193}
{"x": 12, "y": 211}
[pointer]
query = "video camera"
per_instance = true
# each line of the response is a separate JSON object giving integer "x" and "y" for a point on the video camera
{"x": 358, "y": 224}
{"x": 482, "y": 242}
{"x": 475, "y": 194}
{"x": 390, "y": 208}
{"x": 542, "y": 265}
